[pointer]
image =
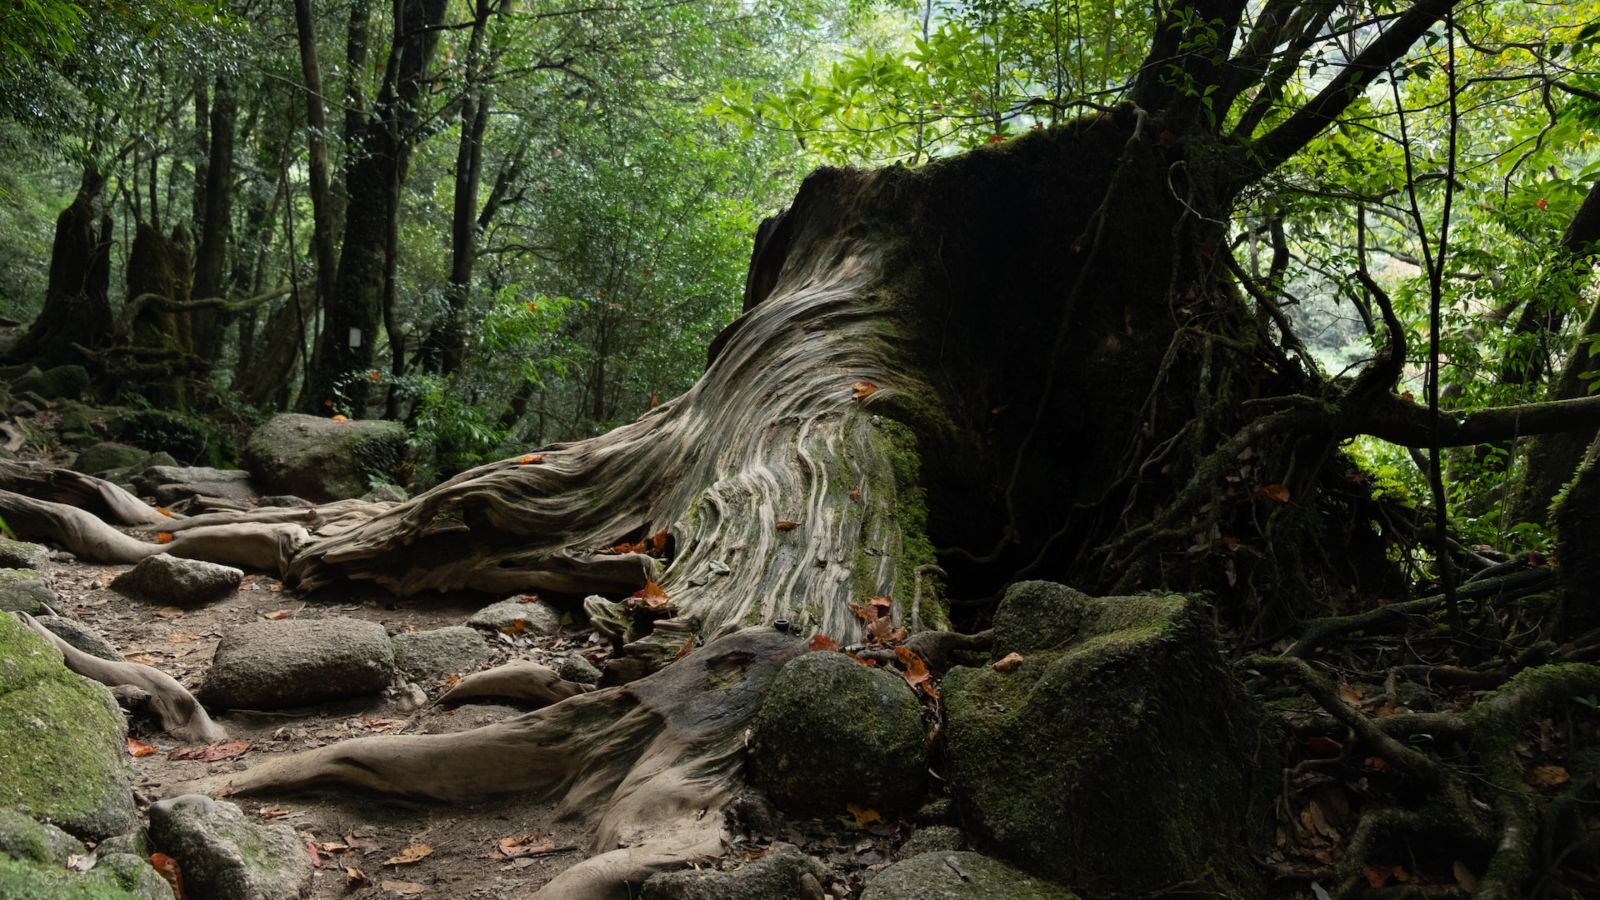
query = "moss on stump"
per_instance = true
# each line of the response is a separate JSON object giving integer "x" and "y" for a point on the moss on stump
{"x": 1125, "y": 759}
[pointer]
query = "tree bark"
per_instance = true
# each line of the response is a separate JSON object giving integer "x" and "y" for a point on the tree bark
{"x": 322, "y": 212}
{"x": 76, "y": 308}
{"x": 216, "y": 225}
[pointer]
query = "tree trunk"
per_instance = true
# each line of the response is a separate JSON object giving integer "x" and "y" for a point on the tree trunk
{"x": 162, "y": 266}
{"x": 322, "y": 212}
{"x": 374, "y": 175}
{"x": 216, "y": 226}
{"x": 76, "y": 307}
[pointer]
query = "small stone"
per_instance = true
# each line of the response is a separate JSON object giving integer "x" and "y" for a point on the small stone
{"x": 536, "y": 616}
{"x": 438, "y": 654}
{"x": 172, "y": 580}
{"x": 575, "y": 668}
{"x": 81, "y": 636}
{"x": 108, "y": 455}
{"x": 224, "y": 855}
{"x": 959, "y": 876}
{"x": 280, "y": 664}
{"x": 22, "y": 555}
{"x": 778, "y": 875}
{"x": 933, "y": 837}
{"x": 24, "y": 590}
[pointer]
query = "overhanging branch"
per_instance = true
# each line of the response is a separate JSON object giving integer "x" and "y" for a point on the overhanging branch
{"x": 1399, "y": 421}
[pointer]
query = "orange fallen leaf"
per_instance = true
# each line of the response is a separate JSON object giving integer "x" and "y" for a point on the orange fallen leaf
{"x": 412, "y": 853}
{"x": 341, "y": 419}
{"x": 170, "y": 871}
{"x": 1378, "y": 876}
{"x": 1008, "y": 663}
{"x": 374, "y": 376}
{"x": 787, "y": 524}
{"x": 1548, "y": 776}
{"x": 862, "y": 390}
{"x": 516, "y": 627}
{"x": 864, "y": 815}
{"x": 686, "y": 649}
{"x": 1349, "y": 694}
{"x": 1277, "y": 492}
{"x": 213, "y": 752}
{"x": 164, "y": 511}
{"x": 451, "y": 681}
{"x": 277, "y": 614}
{"x": 528, "y": 459}
{"x": 163, "y": 537}
{"x": 658, "y": 541}
{"x": 358, "y": 878}
{"x": 821, "y": 641}
{"x": 651, "y": 595}
{"x": 916, "y": 673}
{"x": 137, "y": 747}
{"x": 524, "y": 845}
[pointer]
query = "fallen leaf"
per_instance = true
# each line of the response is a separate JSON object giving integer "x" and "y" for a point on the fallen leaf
{"x": 1376, "y": 764}
{"x": 855, "y": 494}
{"x": 651, "y": 595}
{"x": 882, "y": 602}
{"x": 1548, "y": 776}
{"x": 916, "y": 673}
{"x": 137, "y": 747}
{"x": 524, "y": 845}
{"x": 164, "y": 511}
{"x": 821, "y": 641}
{"x": 1277, "y": 492}
{"x": 341, "y": 419}
{"x": 170, "y": 871}
{"x": 862, "y": 390}
{"x": 658, "y": 541}
{"x": 1349, "y": 694}
{"x": 528, "y": 459}
{"x": 278, "y": 614}
{"x": 451, "y": 681}
{"x": 411, "y": 854}
{"x": 274, "y": 812}
{"x": 686, "y": 649}
{"x": 358, "y": 878}
{"x": 516, "y": 627}
{"x": 882, "y": 630}
{"x": 864, "y": 815}
{"x": 787, "y": 525}
{"x": 163, "y": 537}
{"x": 214, "y": 752}
{"x": 316, "y": 856}
{"x": 1008, "y": 663}
{"x": 404, "y": 888}
{"x": 1378, "y": 876}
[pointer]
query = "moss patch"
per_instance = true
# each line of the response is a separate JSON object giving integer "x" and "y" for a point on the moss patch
{"x": 60, "y": 741}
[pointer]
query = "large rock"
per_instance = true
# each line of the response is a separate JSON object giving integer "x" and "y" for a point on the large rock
{"x": 174, "y": 581}
{"x": 832, "y": 732}
{"x": 58, "y": 383}
{"x": 536, "y": 616}
{"x": 24, "y": 590}
{"x": 224, "y": 855}
{"x": 273, "y": 665}
{"x": 783, "y": 873}
{"x": 81, "y": 636}
{"x": 959, "y": 875}
{"x": 169, "y": 484}
{"x": 61, "y": 741}
{"x": 1121, "y": 756}
{"x": 456, "y": 650}
{"x": 108, "y": 455}
{"x": 22, "y": 555}
{"x": 321, "y": 459}
{"x": 118, "y": 876}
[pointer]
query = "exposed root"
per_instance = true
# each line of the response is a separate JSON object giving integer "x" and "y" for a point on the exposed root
{"x": 181, "y": 714}
{"x": 263, "y": 547}
{"x": 657, "y": 758}
{"x": 518, "y": 680}
{"x": 75, "y": 529}
{"x": 94, "y": 495}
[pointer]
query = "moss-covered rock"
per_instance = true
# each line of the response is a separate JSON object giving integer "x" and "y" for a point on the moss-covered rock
{"x": 321, "y": 459}
{"x": 833, "y": 732}
{"x": 22, "y": 555}
{"x": 61, "y": 741}
{"x": 224, "y": 855}
{"x": 187, "y": 438}
{"x": 782, "y": 873}
{"x": 56, "y": 383}
{"x": 1123, "y": 761}
{"x": 118, "y": 876}
{"x": 23, "y": 838}
{"x": 108, "y": 455}
{"x": 1039, "y": 615}
{"x": 25, "y": 590}
{"x": 945, "y": 875}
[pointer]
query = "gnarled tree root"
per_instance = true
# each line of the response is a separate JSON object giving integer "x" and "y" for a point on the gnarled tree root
{"x": 650, "y": 764}
{"x": 516, "y": 680}
{"x": 75, "y": 529}
{"x": 181, "y": 714}
{"x": 93, "y": 495}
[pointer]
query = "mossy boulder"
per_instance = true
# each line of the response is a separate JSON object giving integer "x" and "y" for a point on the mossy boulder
{"x": 61, "y": 741}
{"x": 224, "y": 855}
{"x": 323, "y": 459}
{"x": 56, "y": 383}
{"x": 25, "y": 590}
{"x": 832, "y": 732}
{"x": 1122, "y": 759}
{"x": 119, "y": 877}
{"x": 22, "y": 555}
{"x": 946, "y": 875}
{"x": 108, "y": 455}
{"x": 782, "y": 873}
{"x": 186, "y": 438}
{"x": 23, "y": 838}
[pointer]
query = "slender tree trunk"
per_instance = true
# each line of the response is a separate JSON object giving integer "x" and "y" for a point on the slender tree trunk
{"x": 354, "y": 310}
{"x": 216, "y": 225}
{"x": 317, "y": 128}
